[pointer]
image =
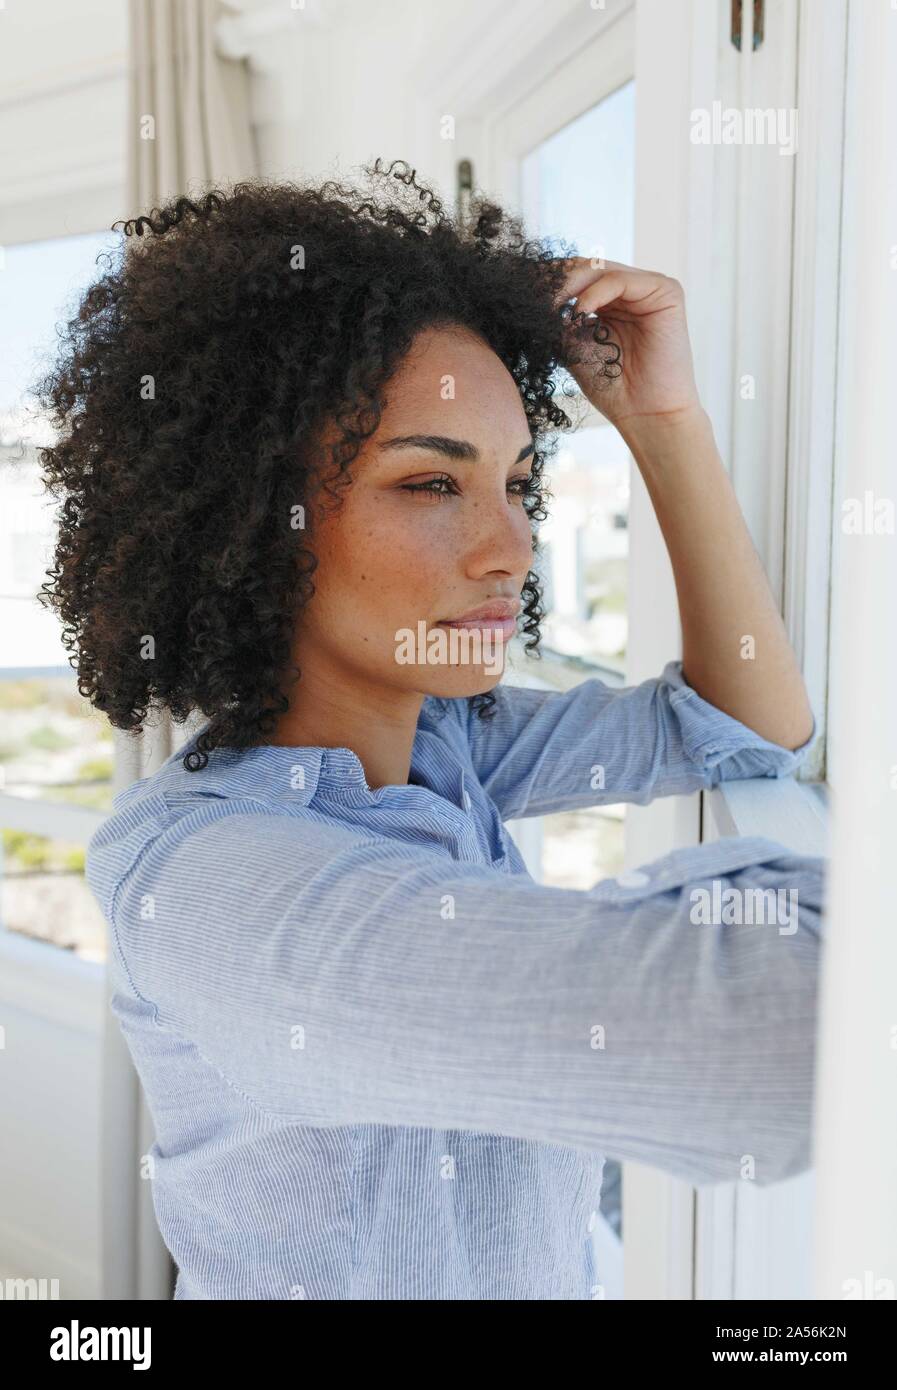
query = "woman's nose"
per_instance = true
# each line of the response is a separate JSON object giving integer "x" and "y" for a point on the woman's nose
{"x": 500, "y": 537}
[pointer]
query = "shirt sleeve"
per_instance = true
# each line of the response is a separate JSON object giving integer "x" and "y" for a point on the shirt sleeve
{"x": 547, "y": 750}
{"x": 338, "y": 978}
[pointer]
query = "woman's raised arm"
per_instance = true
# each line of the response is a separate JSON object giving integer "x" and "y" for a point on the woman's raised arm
{"x": 335, "y": 977}
{"x": 735, "y": 651}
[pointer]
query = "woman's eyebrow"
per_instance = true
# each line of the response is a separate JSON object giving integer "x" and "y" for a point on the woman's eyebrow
{"x": 442, "y": 444}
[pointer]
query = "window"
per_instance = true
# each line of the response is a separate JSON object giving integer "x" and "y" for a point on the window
{"x": 586, "y": 534}
{"x": 56, "y": 759}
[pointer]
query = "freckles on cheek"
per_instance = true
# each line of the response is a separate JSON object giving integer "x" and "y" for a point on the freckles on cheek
{"x": 401, "y": 556}
{"x": 403, "y": 581}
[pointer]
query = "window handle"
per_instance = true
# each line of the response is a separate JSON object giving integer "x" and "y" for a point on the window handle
{"x": 759, "y": 8}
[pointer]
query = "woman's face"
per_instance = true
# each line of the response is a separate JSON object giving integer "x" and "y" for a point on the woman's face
{"x": 424, "y": 535}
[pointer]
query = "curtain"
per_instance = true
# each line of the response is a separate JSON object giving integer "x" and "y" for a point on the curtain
{"x": 198, "y": 103}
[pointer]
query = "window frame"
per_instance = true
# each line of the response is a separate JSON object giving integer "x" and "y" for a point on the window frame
{"x": 602, "y": 65}
{"x": 755, "y": 1243}
{"x": 816, "y": 332}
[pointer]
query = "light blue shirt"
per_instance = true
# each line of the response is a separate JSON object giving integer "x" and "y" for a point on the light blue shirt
{"x": 384, "y": 1063}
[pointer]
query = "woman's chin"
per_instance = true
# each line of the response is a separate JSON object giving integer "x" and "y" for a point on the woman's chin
{"x": 454, "y": 684}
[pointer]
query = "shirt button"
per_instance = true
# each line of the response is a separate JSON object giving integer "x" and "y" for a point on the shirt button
{"x": 633, "y": 878}
{"x": 467, "y": 801}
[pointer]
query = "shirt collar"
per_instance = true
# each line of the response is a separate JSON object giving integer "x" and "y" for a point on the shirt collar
{"x": 284, "y": 773}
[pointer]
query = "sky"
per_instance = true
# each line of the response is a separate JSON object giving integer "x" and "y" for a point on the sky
{"x": 40, "y": 284}
{"x": 579, "y": 184}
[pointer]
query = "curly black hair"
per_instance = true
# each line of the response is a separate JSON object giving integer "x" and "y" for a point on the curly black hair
{"x": 187, "y": 396}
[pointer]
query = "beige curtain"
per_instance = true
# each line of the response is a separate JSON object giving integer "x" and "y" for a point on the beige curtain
{"x": 188, "y": 129}
{"x": 199, "y": 131}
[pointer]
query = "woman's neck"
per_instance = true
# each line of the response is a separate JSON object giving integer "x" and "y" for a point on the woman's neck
{"x": 378, "y": 725}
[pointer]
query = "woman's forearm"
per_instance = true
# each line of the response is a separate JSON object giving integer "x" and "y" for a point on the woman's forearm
{"x": 735, "y": 651}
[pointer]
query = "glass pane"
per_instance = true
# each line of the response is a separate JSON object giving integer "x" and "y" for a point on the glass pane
{"x": 579, "y": 847}
{"x": 40, "y": 288}
{"x": 55, "y": 748}
{"x": 579, "y": 184}
{"x": 584, "y": 563}
{"x": 578, "y": 187}
{"x": 43, "y": 894}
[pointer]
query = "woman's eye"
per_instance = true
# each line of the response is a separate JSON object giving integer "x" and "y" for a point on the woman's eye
{"x": 431, "y": 487}
{"x": 445, "y": 487}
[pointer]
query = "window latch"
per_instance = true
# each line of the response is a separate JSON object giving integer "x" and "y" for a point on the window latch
{"x": 759, "y": 8}
{"x": 463, "y": 189}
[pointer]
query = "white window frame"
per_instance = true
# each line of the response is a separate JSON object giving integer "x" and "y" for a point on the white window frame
{"x": 755, "y": 1243}
{"x": 602, "y": 65}
{"x": 815, "y": 331}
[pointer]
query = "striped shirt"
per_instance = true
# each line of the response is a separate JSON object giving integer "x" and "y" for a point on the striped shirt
{"x": 383, "y": 1062}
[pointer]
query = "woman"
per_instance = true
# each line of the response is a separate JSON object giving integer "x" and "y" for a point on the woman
{"x": 303, "y": 436}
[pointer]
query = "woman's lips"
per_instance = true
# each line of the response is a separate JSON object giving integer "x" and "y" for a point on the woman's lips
{"x": 502, "y": 627}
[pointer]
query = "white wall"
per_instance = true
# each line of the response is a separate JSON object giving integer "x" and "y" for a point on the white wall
{"x": 343, "y": 82}
{"x": 63, "y": 98}
{"x": 52, "y": 1006}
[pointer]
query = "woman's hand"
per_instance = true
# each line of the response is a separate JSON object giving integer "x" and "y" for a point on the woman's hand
{"x": 735, "y": 650}
{"x": 645, "y": 315}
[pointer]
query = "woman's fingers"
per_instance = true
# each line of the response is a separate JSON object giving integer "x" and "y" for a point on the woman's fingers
{"x": 612, "y": 285}
{"x": 594, "y": 289}
{"x": 583, "y": 271}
